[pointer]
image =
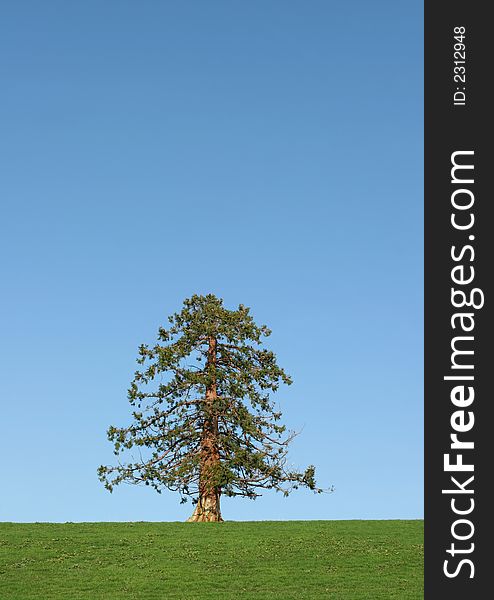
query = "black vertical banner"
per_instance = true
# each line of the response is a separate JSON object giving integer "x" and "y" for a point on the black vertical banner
{"x": 459, "y": 247}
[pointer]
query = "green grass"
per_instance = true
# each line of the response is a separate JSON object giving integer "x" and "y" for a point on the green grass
{"x": 354, "y": 560}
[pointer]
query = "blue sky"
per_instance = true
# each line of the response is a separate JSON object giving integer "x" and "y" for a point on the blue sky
{"x": 267, "y": 152}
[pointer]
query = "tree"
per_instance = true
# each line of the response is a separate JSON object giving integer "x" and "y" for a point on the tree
{"x": 208, "y": 428}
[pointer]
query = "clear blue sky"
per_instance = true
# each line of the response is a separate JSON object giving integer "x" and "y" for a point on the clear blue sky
{"x": 267, "y": 152}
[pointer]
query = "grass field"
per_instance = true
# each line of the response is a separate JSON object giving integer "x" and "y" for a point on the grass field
{"x": 354, "y": 560}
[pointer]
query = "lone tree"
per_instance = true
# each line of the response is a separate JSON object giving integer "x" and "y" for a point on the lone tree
{"x": 207, "y": 428}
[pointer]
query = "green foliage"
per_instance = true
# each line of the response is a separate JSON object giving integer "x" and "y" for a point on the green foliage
{"x": 291, "y": 560}
{"x": 207, "y": 349}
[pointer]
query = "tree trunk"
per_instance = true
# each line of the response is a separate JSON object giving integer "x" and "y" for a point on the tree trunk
{"x": 208, "y": 504}
{"x": 207, "y": 509}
